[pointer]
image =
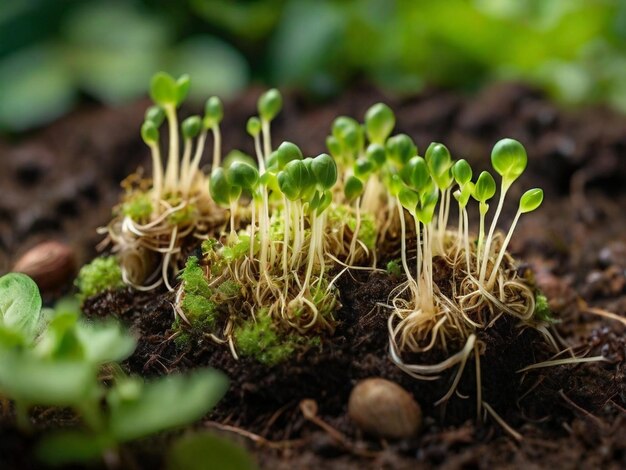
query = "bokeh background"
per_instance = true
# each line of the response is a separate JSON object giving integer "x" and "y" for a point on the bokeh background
{"x": 57, "y": 54}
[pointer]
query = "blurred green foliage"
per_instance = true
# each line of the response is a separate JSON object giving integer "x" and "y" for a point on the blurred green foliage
{"x": 53, "y": 52}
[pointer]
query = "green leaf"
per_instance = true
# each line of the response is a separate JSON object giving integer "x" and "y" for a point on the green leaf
{"x": 439, "y": 163}
{"x": 269, "y": 105}
{"x": 191, "y": 127}
{"x": 485, "y": 187}
{"x": 165, "y": 403}
{"x": 155, "y": 114}
{"x": 462, "y": 172}
{"x": 400, "y": 148}
{"x": 219, "y": 187}
{"x": 325, "y": 170}
{"x": 409, "y": 199}
{"x": 349, "y": 134}
{"x": 149, "y": 133}
{"x": 242, "y": 174}
{"x": 203, "y": 450}
{"x": 334, "y": 146}
{"x": 376, "y": 154}
{"x": 416, "y": 174}
{"x": 182, "y": 88}
{"x": 253, "y": 126}
{"x": 509, "y": 159}
{"x": 428, "y": 201}
{"x": 463, "y": 195}
{"x": 236, "y": 155}
{"x": 530, "y": 200}
{"x": 213, "y": 112}
{"x": 163, "y": 89}
{"x": 20, "y": 304}
{"x": 353, "y": 188}
{"x": 66, "y": 447}
{"x": 32, "y": 380}
{"x": 363, "y": 167}
{"x": 379, "y": 122}
{"x": 325, "y": 201}
{"x": 105, "y": 342}
{"x": 286, "y": 152}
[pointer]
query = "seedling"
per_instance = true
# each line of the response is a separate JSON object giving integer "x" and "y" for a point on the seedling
{"x": 158, "y": 215}
{"x": 302, "y": 227}
{"x": 53, "y": 358}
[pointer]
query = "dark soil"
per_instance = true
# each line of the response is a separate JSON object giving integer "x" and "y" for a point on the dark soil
{"x": 61, "y": 182}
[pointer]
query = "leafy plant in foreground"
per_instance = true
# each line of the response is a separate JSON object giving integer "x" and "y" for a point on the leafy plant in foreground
{"x": 53, "y": 358}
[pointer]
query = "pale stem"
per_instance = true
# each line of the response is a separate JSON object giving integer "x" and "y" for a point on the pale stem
{"x": 259, "y": 153}
{"x": 418, "y": 251}
{"x": 487, "y": 253}
{"x": 252, "y": 228}
{"x": 233, "y": 233}
{"x": 405, "y": 265}
{"x": 267, "y": 139}
{"x": 355, "y": 233}
{"x": 195, "y": 163}
{"x": 184, "y": 165}
{"x": 157, "y": 178}
{"x": 286, "y": 229}
{"x": 217, "y": 146}
{"x": 494, "y": 271}
{"x": 481, "y": 235}
{"x": 312, "y": 242}
{"x": 320, "y": 243}
{"x": 171, "y": 172}
{"x": 466, "y": 240}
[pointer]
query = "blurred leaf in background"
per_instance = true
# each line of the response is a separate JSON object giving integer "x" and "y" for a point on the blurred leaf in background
{"x": 54, "y": 52}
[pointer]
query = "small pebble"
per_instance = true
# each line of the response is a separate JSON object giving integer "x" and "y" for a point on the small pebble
{"x": 383, "y": 408}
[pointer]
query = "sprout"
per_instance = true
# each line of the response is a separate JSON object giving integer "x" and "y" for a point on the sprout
{"x": 529, "y": 201}
{"x": 253, "y": 126}
{"x": 462, "y": 172}
{"x": 400, "y": 149}
{"x": 353, "y": 188}
{"x": 379, "y": 122}
{"x": 155, "y": 114}
{"x": 509, "y": 159}
{"x": 269, "y": 105}
{"x": 213, "y": 112}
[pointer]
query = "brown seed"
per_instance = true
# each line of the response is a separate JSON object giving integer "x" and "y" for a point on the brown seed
{"x": 384, "y": 409}
{"x": 51, "y": 264}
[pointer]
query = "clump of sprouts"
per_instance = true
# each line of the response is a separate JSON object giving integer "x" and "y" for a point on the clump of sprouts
{"x": 157, "y": 215}
{"x": 284, "y": 261}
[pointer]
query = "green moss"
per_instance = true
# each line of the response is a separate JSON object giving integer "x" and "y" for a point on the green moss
{"x": 98, "y": 276}
{"x": 237, "y": 250}
{"x": 542, "y": 309}
{"x": 393, "y": 268}
{"x": 194, "y": 279}
{"x": 183, "y": 216}
{"x": 197, "y": 304}
{"x": 229, "y": 289}
{"x": 261, "y": 341}
{"x": 199, "y": 310}
{"x": 138, "y": 207}
{"x": 367, "y": 231}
